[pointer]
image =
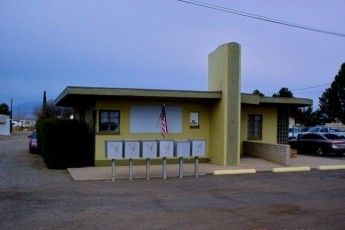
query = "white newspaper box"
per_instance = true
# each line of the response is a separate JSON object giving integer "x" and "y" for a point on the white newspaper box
{"x": 198, "y": 147}
{"x": 166, "y": 148}
{"x": 149, "y": 149}
{"x": 182, "y": 149}
{"x": 132, "y": 149}
{"x": 114, "y": 150}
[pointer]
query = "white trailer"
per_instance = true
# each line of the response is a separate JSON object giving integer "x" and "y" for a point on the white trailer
{"x": 5, "y": 124}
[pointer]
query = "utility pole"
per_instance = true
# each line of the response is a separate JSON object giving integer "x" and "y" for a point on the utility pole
{"x": 11, "y": 116}
{"x": 44, "y": 106}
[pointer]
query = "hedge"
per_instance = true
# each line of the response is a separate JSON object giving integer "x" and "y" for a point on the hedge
{"x": 65, "y": 143}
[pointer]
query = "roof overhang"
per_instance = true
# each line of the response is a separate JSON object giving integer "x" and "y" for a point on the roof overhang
{"x": 260, "y": 100}
{"x": 86, "y": 96}
{"x": 74, "y": 96}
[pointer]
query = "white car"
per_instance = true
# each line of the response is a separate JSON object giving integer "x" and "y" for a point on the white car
{"x": 293, "y": 132}
{"x": 324, "y": 129}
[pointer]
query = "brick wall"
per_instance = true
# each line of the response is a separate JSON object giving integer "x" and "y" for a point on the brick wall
{"x": 276, "y": 153}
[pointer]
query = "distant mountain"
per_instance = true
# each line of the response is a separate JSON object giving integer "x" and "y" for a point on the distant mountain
{"x": 25, "y": 110}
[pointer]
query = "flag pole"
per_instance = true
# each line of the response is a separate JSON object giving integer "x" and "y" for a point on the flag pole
{"x": 163, "y": 118}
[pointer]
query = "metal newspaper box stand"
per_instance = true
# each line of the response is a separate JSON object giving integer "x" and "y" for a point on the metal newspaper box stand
{"x": 132, "y": 151}
{"x": 182, "y": 149}
{"x": 113, "y": 151}
{"x": 166, "y": 149}
{"x": 148, "y": 150}
{"x": 198, "y": 150}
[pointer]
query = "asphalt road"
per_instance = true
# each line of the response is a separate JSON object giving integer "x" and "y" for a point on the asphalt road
{"x": 33, "y": 197}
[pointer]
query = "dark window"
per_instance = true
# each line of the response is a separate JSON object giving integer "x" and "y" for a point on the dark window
{"x": 311, "y": 136}
{"x": 255, "y": 126}
{"x": 332, "y": 136}
{"x": 109, "y": 121}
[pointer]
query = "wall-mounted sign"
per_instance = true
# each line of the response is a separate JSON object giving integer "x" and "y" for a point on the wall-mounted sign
{"x": 143, "y": 119}
{"x": 194, "y": 119}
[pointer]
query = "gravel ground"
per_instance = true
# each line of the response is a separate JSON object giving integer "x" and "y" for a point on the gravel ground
{"x": 33, "y": 197}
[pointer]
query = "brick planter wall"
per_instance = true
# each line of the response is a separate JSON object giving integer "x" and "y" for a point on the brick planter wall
{"x": 276, "y": 153}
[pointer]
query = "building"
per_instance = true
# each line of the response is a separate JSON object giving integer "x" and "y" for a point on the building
{"x": 24, "y": 124}
{"x": 5, "y": 123}
{"x": 230, "y": 122}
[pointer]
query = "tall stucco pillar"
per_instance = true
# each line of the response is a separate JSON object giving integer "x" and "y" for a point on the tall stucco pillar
{"x": 225, "y": 74}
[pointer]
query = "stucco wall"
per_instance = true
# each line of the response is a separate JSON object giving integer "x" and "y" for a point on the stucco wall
{"x": 272, "y": 152}
{"x": 124, "y": 106}
{"x": 217, "y": 155}
{"x": 269, "y": 123}
{"x": 224, "y": 73}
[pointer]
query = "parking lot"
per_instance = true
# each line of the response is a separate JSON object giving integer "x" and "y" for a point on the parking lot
{"x": 33, "y": 197}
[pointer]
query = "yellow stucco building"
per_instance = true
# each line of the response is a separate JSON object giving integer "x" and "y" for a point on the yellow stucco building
{"x": 228, "y": 121}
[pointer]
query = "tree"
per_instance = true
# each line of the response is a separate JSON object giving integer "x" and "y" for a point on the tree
{"x": 283, "y": 92}
{"x": 44, "y": 106}
{"x": 332, "y": 101}
{"x": 306, "y": 116}
{"x": 49, "y": 110}
{"x": 257, "y": 92}
{"x": 4, "y": 109}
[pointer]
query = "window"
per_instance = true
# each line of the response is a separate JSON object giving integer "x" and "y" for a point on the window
{"x": 283, "y": 125}
{"x": 109, "y": 121}
{"x": 255, "y": 126}
{"x": 311, "y": 136}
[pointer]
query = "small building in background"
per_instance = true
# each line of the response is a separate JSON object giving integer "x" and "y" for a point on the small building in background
{"x": 5, "y": 125}
{"x": 24, "y": 124}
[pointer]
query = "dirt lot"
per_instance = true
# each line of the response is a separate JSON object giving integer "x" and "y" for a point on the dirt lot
{"x": 33, "y": 197}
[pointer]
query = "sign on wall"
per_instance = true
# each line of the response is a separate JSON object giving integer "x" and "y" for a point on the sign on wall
{"x": 145, "y": 119}
{"x": 194, "y": 119}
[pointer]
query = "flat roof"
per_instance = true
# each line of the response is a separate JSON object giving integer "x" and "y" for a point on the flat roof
{"x": 256, "y": 100}
{"x": 74, "y": 95}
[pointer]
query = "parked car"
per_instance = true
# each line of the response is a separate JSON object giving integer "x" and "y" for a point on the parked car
{"x": 33, "y": 146}
{"x": 337, "y": 132}
{"x": 323, "y": 130}
{"x": 319, "y": 143}
{"x": 293, "y": 132}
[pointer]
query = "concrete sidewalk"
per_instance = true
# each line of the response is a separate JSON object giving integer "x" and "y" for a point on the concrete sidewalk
{"x": 247, "y": 165}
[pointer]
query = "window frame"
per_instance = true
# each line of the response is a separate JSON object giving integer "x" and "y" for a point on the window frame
{"x": 254, "y": 126}
{"x": 109, "y": 118}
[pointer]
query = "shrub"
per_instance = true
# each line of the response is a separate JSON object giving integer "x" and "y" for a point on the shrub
{"x": 65, "y": 143}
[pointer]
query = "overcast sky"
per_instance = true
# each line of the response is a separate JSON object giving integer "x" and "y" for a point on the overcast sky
{"x": 164, "y": 44}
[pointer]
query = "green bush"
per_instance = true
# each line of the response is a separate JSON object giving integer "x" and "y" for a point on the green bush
{"x": 65, "y": 143}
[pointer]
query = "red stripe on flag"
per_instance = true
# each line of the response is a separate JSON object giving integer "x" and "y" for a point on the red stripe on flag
{"x": 163, "y": 118}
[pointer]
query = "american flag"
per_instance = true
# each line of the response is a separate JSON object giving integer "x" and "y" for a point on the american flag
{"x": 163, "y": 118}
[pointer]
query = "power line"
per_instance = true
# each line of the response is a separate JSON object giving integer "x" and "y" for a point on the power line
{"x": 309, "y": 92}
{"x": 258, "y": 17}
{"x": 311, "y": 87}
{"x": 306, "y": 92}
